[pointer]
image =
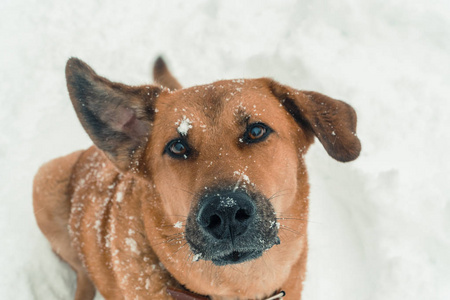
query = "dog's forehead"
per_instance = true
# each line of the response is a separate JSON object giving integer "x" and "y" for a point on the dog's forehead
{"x": 212, "y": 103}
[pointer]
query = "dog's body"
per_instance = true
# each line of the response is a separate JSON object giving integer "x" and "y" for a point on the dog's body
{"x": 203, "y": 188}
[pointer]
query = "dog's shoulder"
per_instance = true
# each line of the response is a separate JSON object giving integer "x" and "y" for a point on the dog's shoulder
{"x": 108, "y": 231}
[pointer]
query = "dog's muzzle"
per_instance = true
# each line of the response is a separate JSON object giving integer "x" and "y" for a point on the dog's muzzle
{"x": 232, "y": 227}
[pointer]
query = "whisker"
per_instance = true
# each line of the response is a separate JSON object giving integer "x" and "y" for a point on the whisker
{"x": 288, "y": 217}
{"x": 290, "y": 229}
{"x": 287, "y": 237}
{"x": 196, "y": 194}
{"x": 176, "y": 239}
{"x": 181, "y": 247}
{"x": 236, "y": 269}
{"x": 167, "y": 237}
{"x": 298, "y": 219}
{"x": 171, "y": 242}
{"x": 182, "y": 216}
{"x": 184, "y": 190}
{"x": 189, "y": 255}
{"x": 283, "y": 214}
{"x": 279, "y": 194}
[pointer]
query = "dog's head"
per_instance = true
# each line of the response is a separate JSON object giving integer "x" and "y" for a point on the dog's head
{"x": 224, "y": 161}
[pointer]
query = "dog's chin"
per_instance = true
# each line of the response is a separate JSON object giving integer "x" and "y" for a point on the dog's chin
{"x": 230, "y": 255}
{"x": 236, "y": 257}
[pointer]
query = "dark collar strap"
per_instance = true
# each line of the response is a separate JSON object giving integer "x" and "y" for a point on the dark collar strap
{"x": 179, "y": 294}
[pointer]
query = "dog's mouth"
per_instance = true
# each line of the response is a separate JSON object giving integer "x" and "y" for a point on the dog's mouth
{"x": 236, "y": 257}
{"x": 232, "y": 256}
{"x": 231, "y": 227}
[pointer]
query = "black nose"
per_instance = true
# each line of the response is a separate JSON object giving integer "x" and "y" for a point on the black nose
{"x": 226, "y": 215}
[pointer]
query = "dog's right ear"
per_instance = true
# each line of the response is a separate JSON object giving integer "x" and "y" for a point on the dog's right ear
{"x": 117, "y": 117}
{"x": 162, "y": 75}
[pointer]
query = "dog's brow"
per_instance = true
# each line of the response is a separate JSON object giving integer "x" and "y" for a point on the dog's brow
{"x": 242, "y": 117}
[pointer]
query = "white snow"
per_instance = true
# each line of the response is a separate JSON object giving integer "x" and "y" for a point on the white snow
{"x": 379, "y": 227}
{"x": 131, "y": 243}
{"x": 119, "y": 196}
{"x": 183, "y": 126}
{"x": 242, "y": 176}
{"x": 178, "y": 224}
{"x": 196, "y": 257}
{"x": 227, "y": 202}
{"x": 147, "y": 283}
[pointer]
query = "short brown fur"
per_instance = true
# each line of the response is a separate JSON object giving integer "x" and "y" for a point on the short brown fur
{"x": 124, "y": 198}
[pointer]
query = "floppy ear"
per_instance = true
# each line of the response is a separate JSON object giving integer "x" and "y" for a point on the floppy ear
{"x": 162, "y": 75}
{"x": 332, "y": 121}
{"x": 117, "y": 117}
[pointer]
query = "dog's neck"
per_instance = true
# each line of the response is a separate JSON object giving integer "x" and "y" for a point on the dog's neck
{"x": 182, "y": 294}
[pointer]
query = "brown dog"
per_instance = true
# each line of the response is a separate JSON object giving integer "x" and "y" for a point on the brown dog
{"x": 203, "y": 189}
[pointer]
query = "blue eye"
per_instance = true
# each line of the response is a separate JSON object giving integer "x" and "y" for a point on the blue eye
{"x": 177, "y": 149}
{"x": 257, "y": 132}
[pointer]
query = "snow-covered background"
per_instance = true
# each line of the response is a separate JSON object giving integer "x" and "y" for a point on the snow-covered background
{"x": 379, "y": 227}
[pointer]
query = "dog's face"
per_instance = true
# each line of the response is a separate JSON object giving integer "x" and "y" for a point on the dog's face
{"x": 224, "y": 163}
{"x": 226, "y": 156}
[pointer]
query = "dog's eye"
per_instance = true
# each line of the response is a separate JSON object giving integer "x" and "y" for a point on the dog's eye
{"x": 257, "y": 132}
{"x": 177, "y": 149}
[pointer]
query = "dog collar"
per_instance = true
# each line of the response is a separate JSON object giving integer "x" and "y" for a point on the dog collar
{"x": 179, "y": 294}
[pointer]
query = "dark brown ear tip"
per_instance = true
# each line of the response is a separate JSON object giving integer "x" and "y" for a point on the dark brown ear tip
{"x": 159, "y": 64}
{"x": 76, "y": 65}
{"x": 348, "y": 154}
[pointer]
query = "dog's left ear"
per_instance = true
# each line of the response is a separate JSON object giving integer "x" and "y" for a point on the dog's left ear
{"x": 117, "y": 117}
{"x": 332, "y": 121}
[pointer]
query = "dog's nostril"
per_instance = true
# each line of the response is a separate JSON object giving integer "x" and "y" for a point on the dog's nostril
{"x": 242, "y": 215}
{"x": 214, "y": 222}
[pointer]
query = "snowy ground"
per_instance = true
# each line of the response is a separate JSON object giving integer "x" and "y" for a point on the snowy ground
{"x": 380, "y": 226}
